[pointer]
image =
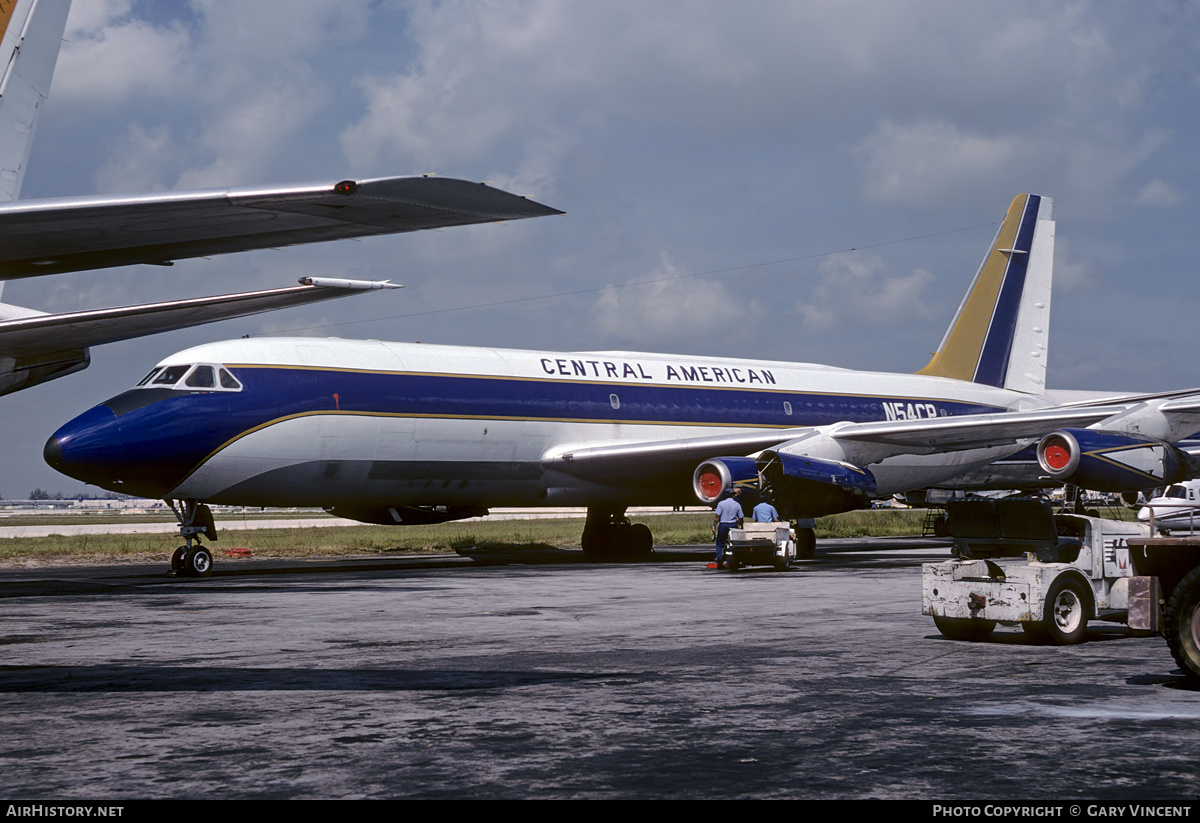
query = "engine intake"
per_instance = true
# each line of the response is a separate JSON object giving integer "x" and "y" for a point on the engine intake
{"x": 718, "y": 475}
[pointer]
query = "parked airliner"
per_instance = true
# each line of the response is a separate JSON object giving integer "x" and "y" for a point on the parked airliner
{"x": 412, "y": 433}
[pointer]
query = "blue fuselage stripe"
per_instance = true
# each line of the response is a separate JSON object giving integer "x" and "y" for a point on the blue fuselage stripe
{"x": 170, "y": 438}
{"x": 271, "y": 393}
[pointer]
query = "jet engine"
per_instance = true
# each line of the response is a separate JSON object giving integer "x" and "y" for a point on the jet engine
{"x": 717, "y": 475}
{"x": 1110, "y": 461}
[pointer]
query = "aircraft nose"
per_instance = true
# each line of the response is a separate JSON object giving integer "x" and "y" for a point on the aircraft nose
{"x": 52, "y": 453}
{"x": 88, "y": 448}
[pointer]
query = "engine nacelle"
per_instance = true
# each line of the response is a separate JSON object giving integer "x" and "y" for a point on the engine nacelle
{"x": 1110, "y": 461}
{"x": 802, "y": 486}
{"x": 718, "y": 475}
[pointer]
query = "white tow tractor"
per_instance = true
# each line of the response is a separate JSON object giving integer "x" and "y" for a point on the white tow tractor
{"x": 1019, "y": 564}
{"x": 761, "y": 544}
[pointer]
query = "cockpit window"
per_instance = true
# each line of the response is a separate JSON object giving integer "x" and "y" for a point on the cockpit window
{"x": 169, "y": 376}
{"x": 201, "y": 378}
{"x": 191, "y": 377}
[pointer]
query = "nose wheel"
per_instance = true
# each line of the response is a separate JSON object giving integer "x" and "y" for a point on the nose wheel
{"x": 195, "y": 520}
{"x": 196, "y": 561}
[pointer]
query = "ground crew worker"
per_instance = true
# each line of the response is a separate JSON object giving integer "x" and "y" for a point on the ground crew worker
{"x": 729, "y": 514}
{"x": 764, "y": 512}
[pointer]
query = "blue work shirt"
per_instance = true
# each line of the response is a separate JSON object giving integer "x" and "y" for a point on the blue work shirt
{"x": 764, "y": 512}
{"x": 729, "y": 510}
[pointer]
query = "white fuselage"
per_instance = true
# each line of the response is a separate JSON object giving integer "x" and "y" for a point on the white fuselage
{"x": 420, "y": 424}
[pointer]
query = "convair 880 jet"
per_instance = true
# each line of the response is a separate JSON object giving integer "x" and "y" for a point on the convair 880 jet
{"x": 411, "y": 433}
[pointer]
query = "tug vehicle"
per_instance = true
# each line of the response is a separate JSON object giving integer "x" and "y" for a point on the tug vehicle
{"x": 1017, "y": 563}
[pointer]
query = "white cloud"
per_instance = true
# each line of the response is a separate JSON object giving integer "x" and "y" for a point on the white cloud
{"x": 929, "y": 159}
{"x": 1158, "y": 194}
{"x": 109, "y": 57}
{"x": 1073, "y": 273}
{"x": 140, "y": 163}
{"x": 674, "y": 309}
{"x": 855, "y": 291}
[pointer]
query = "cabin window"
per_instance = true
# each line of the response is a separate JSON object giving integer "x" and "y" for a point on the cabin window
{"x": 146, "y": 379}
{"x": 228, "y": 381}
{"x": 787, "y": 408}
{"x": 614, "y": 401}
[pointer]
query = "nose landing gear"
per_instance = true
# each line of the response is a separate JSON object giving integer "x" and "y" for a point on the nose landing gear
{"x": 195, "y": 520}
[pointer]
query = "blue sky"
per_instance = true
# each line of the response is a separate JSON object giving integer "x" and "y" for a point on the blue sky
{"x": 681, "y": 138}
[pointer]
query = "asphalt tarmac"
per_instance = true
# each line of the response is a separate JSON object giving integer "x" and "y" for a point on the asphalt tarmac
{"x": 546, "y": 677}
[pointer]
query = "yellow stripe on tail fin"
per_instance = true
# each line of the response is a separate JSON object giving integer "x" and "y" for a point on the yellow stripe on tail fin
{"x": 1000, "y": 334}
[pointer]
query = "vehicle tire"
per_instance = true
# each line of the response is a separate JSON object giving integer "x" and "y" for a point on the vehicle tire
{"x": 1066, "y": 618}
{"x": 1182, "y": 624}
{"x": 973, "y": 629}
{"x": 177, "y": 558}
{"x": 941, "y": 527}
{"x": 782, "y": 563}
{"x": 732, "y": 565}
{"x": 806, "y": 544}
{"x": 198, "y": 562}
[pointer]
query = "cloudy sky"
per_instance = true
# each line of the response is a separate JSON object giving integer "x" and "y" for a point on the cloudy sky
{"x": 787, "y": 180}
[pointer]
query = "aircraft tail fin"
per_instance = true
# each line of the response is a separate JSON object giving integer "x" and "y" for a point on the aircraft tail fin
{"x": 1000, "y": 334}
{"x": 32, "y": 33}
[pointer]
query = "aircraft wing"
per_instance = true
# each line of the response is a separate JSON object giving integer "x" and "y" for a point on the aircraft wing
{"x": 887, "y": 437}
{"x": 973, "y": 431}
{"x": 841, "y": 452}
{"x": 44, "y": 333}
{"x": 51, "y": 236}
{"x": 38, "y": 347}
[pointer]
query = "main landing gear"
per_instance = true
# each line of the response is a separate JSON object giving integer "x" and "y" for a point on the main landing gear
{"x": 195, "y": 519}
{"x": 608, "y": 535}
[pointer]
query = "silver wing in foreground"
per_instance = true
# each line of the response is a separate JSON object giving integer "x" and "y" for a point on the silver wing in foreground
{"x": 52, "y": 236}
{"x": 36, "y": 347}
